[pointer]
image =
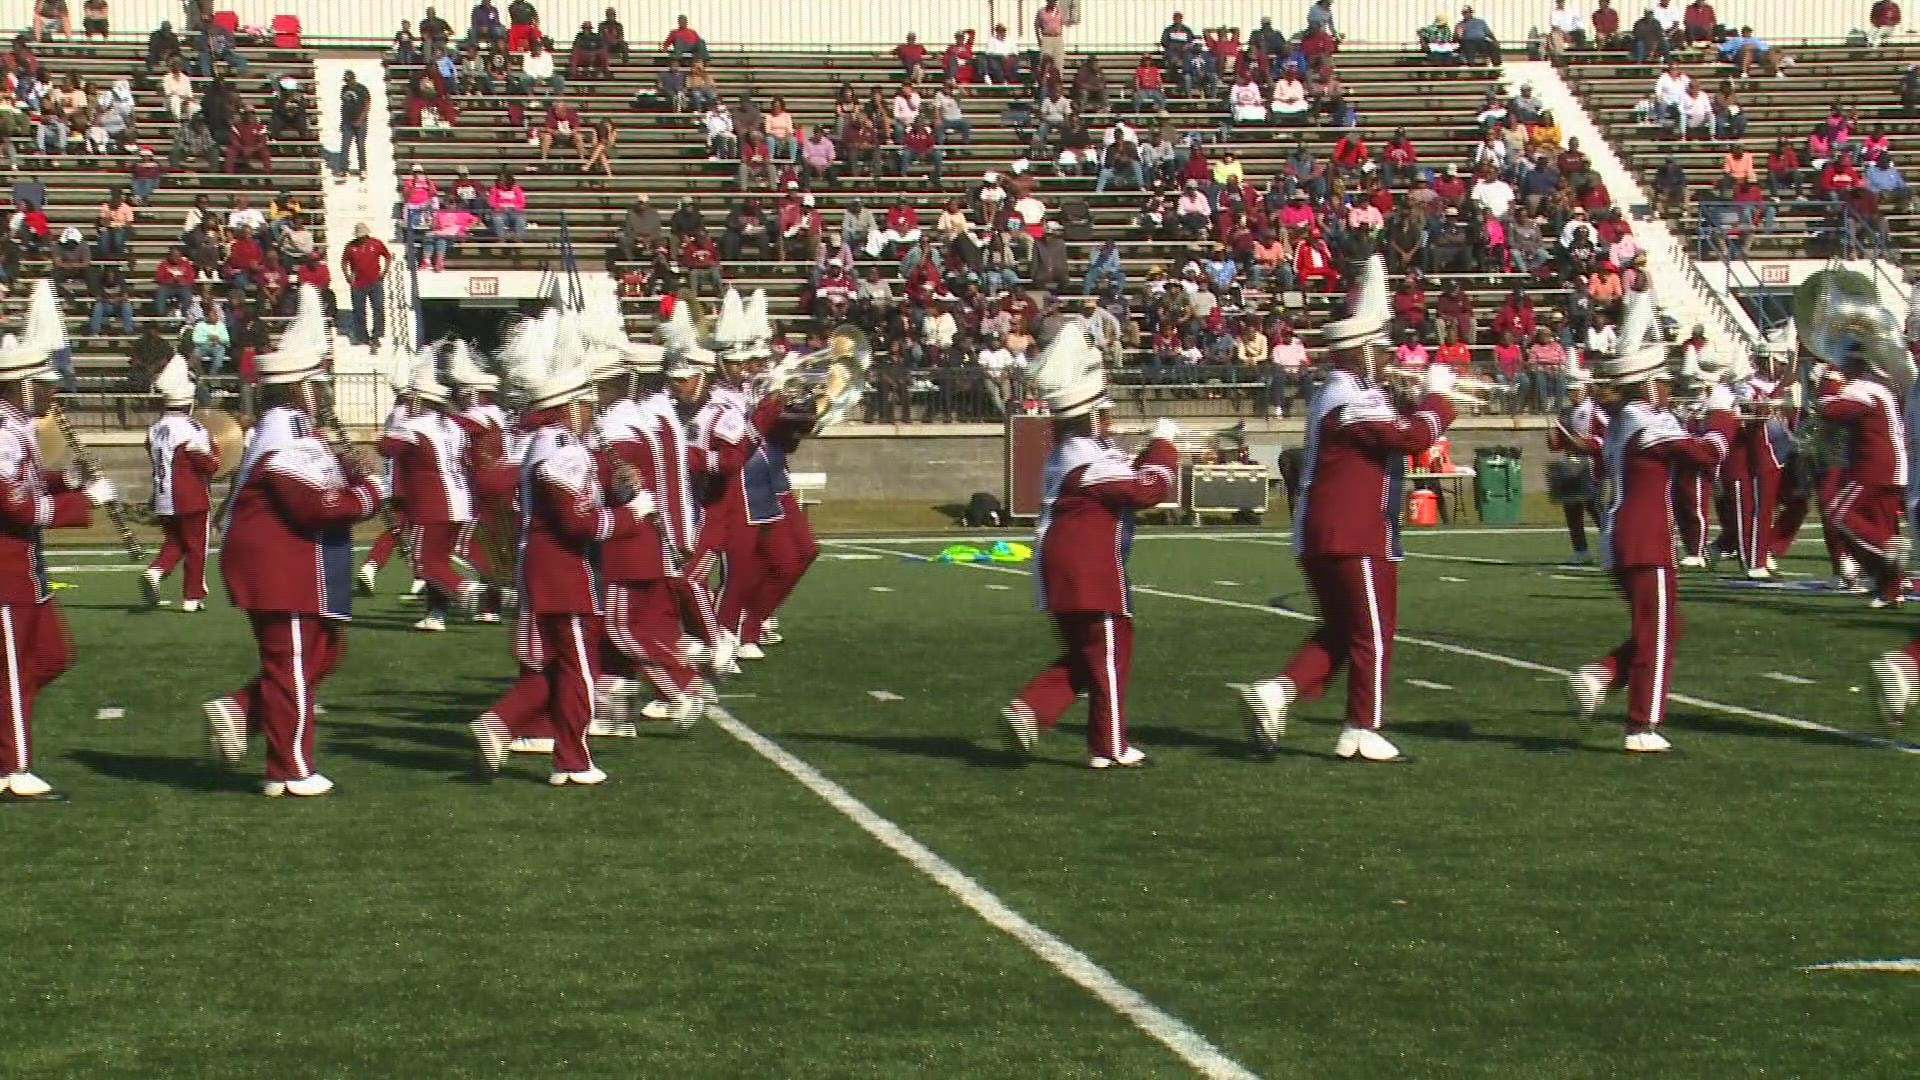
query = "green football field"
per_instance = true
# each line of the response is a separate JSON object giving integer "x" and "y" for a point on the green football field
{"x": 851, "y": 879}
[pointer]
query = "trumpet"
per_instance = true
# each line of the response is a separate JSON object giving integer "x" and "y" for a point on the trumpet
{"x": 825, "y": 384}
{"x": 1467, "y": 390}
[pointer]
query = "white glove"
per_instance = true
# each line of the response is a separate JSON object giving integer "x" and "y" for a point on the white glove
{"x": 1439, "y": 379}
{"x": 1166, "y": 429}
{"x": 100, "y": 491}
{"x": 643, "y": 504}
{"x": 1720, "y": 398}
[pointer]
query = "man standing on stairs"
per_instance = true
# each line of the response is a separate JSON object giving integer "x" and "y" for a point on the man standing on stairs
{"x": 354, "y": 103}
{"x": 364, "y": 262}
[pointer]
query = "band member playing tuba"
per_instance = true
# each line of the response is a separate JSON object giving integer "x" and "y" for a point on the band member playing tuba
{"x": 1577, "y": 434}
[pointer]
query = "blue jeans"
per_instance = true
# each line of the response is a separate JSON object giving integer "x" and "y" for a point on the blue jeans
{"x": 1097, "y": 275}
{"x": 179, "y": 294}
{"x": 510, "y": 224}
{"x": 996, "y": 69}
{"x": 435, "y": 247}
{"x": 52, "y": 136}
{"x": 212, "y": 355}
{"x": 936, "y": 157}
{"x": 369, "y": 312}
{"x": 786, "y": 149}
{"x": 113, "y": 243}
{"x": 1144, "y": 98}
{"x": 1108, "y": 175}
{"x": 963, "y": 125}
{"x": 700, "y": 100}
{"x": 143, "y": 189}
{"x": 104, "y": 307}
{"x": 1282, "y": 276}
{"x": 695, "y": 51}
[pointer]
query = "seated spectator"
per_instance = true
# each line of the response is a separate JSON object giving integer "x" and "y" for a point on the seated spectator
{"x": 1566, "y": 31}
{"x": 173, "y": 280}
{"x": 1697, "y": 118}
{"x": 683, "y": 43}
{"x": 163, "y": 49}
{"x": 589, "y": 56}
{"x": 1745, "y": 51}
{"x": 72, "y": 264}
{"x": 424, "y": 101}
{"x": 1090, "y": 86}
{"x": 216, "y": 42}
{"x": 523, "y": 26}
{"x": 956, "y": 60}
{"x": 484, "y": 26}
{"x": 1149, "y": 87}
{"x": 722, "y": 143}
{"x": 288, "y": 117}
{"x": 1883, "y": 179}
{"x": 702, "y": 90}
{"x": 999, "y": 57}
{"x": 537, "y": 71}
{"x": 507, "y": 207}
{"x": 669, "y": 91}
{"x": 51, "y": 18}
{"x": 561, "y": 124}
{"x": 1883, "y": 19}
{"x": 782, "y": 132}
{"x": 597, "y": 141}
{"x": 949, "y": 115}
{"x": 110, "y": 300}
{"x": 911, "y": 56}
{"x": 1647, "y": 40}
{"x": 1699, "y": 22}
{"x": 406, "y": 47}
{"x": 1670, "y": 187}
{"x": 451, "y": 224}
{"x": 112, "y": 225}
{"x": 247, "y": 144}
{"x": 1437, "y": 42}
{"x": 1737, "y": 165}
{"x": 1289, "y": 104}
{"x": 244, "y": 259}
{"x": 209, "y": 338}
{"x": 176, "y": 88}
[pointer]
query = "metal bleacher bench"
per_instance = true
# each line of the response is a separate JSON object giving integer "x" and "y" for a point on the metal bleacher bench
{"x": 808, "y": 486}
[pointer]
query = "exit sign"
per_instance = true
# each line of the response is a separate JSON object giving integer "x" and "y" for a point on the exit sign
{"x": 483, "y": 286}
{"x": 1774, "y": 274}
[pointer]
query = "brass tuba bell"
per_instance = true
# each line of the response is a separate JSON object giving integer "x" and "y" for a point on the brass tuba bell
{"x": 1840, "y": 317}
{"x": 826, "y": 383}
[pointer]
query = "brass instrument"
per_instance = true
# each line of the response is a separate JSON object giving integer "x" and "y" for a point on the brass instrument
{"x": 89, "y": 470}
{"x": 343, "y": 448}
{"x": 827, "y": 383}
{"x": 1468, "y": 390}
{"x": 1840, "y": 318}
{"x": 228, "y": 436}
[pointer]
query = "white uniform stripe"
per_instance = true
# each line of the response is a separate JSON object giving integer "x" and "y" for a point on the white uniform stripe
{"x": 1113, "y": 688}
{"x": 206, "y": 545}
{"x": 1656, "y": 713}
{"x": 15, "y": 703}
{"x": 299, "y": 700}
{"x": 586, "y": 677}
{"x": 1379, "y": 672}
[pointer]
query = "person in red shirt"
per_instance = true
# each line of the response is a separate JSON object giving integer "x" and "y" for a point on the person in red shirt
{"x": 911, "y": 55}
{"x": 173, "y": 280}
{"x": 1606, "y": 25}
{"x": 1644, "y": 445}
{"x": 35, "y": 641}
{"x": 286, "y": 555}
{"x": 1092, "y": 489}
{"x": 683, "y": 43}
{"x": 184, "y": 460}
{"x": 1350, "y": 152}
{"x": 1700, "y": 21}
{"x": 1398, "y": 159}
{"x": 957, "y": 60}
{"x": 247, "y": 143}
{"x": 1884, "y": 17}
{"x": 364, "y": 261}
{"x": 314, "y": 272}
{"x": 244, "y": 258}
{"x": 1346, "y": 528}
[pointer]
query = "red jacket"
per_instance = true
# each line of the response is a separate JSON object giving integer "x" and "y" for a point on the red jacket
{"x": 285, "y": 547}
{"x": 634, "y": 434}
{"x": 1876, "y": 435}
{"x": 1750, "y": 453}
{"x": 1086, "y": 525}
{"x": 1644, "y": 446}
{"x": 1345, "y": 488}
{"x": 184, "y": 459}
{"x": 31, "y": 500}
{"x": 563, "y": 522}
{"x": 492, "y": 475}
{"x": 430, "y": 462}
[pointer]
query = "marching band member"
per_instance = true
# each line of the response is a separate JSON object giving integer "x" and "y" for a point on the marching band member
{"x": 1869, "y": 500}
{"x": 721, "y": 442}
{"x": 1086, "y": 527}
{"x": 184, "y": 461}
{"x": 493, "y": 469}
{"x": 1692, "y": 496}
{"x": 566, "y": 515}
{"x": 286, "y": 553}
{"x": 1759, "y": 449}
{"x": 33, "y": 632}
{"x": 400, "y": 379}
{"x": 1644, "y": 442}
{"x": 429, "y": 453}
{"x": 785, "y": 546}
{"x": 1578, "y": 433}
{"x": 1346, "y": 529}
{"x": 751, "y": 507}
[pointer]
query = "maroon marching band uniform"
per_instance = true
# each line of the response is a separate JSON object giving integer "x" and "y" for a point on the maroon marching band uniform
{"x": 788, "y": 547}
{"x": 285, "y": 554}
{"x": 1085, "y": 530}
{"x": 742, "y": 512}
{"x": 1581, "y": 432}
{"x": 184, "y": 460}
{"x": 389, "y": 539}
{"x": 1692, "y": 497}
{"x": 1644, "y": 444}
{"x": 431, "y": 461}
{"x": 492, "y": 477}
{"x": 720, "y": 442}
{"x": 564, "y": 518}
{"x": 33, "y": 632}
{"x": 1755, "y": 477}
{"x": 1343, "y": 536}
{"x": 1866, "y": 505}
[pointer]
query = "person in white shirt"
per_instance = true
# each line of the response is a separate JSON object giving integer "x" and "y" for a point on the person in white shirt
{"x": 1601, "y": 336}
{"x": 999, "y": 56}
{"x": 940, "y": 329}
{"x": 1120, "y": 130}
{"x": 1671, "y": 91}
{"x": 243, "y": 218}
{"x": 536, "y": 67}
{"x": 1567, "y": 30}
{"x": 177, "y": 87}
{"x": 721, "y": 142}
{"x": 1289, "y": 357}
{"x": 906, "y": 110}
{"x": 1576, "y": 226}
{"x": 1495, "y": 194}
{"x": 1698, "y": 114}
{"x": 1667, "y": 15}
{"x": 1249, "y": 104}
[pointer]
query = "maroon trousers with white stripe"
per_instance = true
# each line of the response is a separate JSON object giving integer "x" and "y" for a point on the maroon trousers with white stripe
{"x": 434, "y": 546}
{"x": 185, "y": 537}
{"x": 1095, "y": 657}
{"x": 643, "y": 626}
{"x": 1357, "y": 598}
{"x": 1754, "y": 501}
{"x": 36, "y": 648}
{"x": 1867, "y": 519}
{"x": 297, "y": 653}
{"x": 1643, "y": 663}
{"x": 559, "y": 667}
{"x": 1692, "y": 493}
{"x": 786, "y": 549}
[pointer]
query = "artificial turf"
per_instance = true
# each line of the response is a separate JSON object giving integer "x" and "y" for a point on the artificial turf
{"x": 1516, "y": 902}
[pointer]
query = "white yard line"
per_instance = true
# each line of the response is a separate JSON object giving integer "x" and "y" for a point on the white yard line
{"x": 1493, "y": 658}
{"x": 1900, "y": 967}
{"x": 1189, "y": 1045}
{"x": 1281, "y": 536}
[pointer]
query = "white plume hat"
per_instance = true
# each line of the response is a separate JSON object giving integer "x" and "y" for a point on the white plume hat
{"x": 425, "y": 382}
{"x": 1372, "y": 307}
{"x": 1071, "y": 374}
{"x": 45, "y": 333}
{"x": 547, "y": 369}
{"x": 733, "y": 331}
{"x": 465, "y": 371}
{"x": 174, "y": 384}
{"x": 303, "y": 344}
{"x": 1636, "y": 357}
{"x": 680, "y": 339}
{"x": 761, "y": 326}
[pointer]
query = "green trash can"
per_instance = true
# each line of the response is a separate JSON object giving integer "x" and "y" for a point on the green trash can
{"x": 1497, "y": 484}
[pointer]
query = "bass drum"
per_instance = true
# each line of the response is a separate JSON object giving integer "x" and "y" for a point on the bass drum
{"x": 1571, "y": 480}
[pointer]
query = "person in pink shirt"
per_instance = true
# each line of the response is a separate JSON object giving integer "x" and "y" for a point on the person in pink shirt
{"x": 1508, "y": 361}
{"x": 1297, "y": 214}
{"x": 1410, "y": 353}
{"x": 507, "y": 201}
{"x": 451, "y": 222}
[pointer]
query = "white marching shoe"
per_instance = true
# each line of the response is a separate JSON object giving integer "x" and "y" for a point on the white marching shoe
{"x": 726, "y": 653}
{"x": 307, "y": 788}
{"x": 367, "y": 577}
{"x": 191, "y": 606}
{"x": 585, "y": 778}
{"x": 150, "y": 587}
{"x": 751, "y": 651}
{"x": 530, "y": 746}
{"x": 616, "y": 694}
{"x": 467, "y": 600}
{"x": 1693, "y": 562}
{"x": 1267, "y": 704}
{"x": 25, "y": 785}
{"x": 490, "y": 739}
{"x": 691, "y": 650}
{"x": 415, "y": 592}
{"x": 1364, "y": 744}
{"x": 1582, "y": 557}
{"x": 601, "y": 727}
{"x": 1647, "y": 742}
{"x": 226, "y": 730}
{"x": 1129, "y": 758}
{"x": 1586, "y": 690}
{"x": 433, "y": 623}
{"x": 1023, "y": 728}
{"x": 1896, "y": 682}
{"x": 688, "y": 712}
{"x": 1759, "y": 573}
{"x": 770, "y": 631}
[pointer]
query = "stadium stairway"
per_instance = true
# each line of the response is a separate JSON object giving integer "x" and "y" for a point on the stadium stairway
{"x": 365, "y": 200}
{"x": 1683, "y": 295}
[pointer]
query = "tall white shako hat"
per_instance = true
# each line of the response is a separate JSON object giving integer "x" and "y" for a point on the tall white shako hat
{"x": 1071, "y": 375}
{"x": 1371, "y": 308}
{"x": 174, "y": 384}
{"x": 761, "y": 326}
{"x": 680, "y": 341}
{"x": 425, "y": 383}
{"x": 302, "y": 353}
{"x": 45, "y": 333}
{"x": 603, "y": 329}
{"x": 733, "y": 330}
{"x": 465, "y": 371}
{"x": 1637, "y": 357}
{"x": 547, "y": 370}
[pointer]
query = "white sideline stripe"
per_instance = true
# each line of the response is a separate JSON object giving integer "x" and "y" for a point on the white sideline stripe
{"x": 1184, "y": 534}
{"x": 1781, "y": 676}
{"x": 1202, "y": 1056}
{"x": 1428, "y": 684}
{"x": 96, "y": 569}
{"x": 884, "y": 695}
{"x": 1906, "y": 967}
{"x": 1484, "y": 561}
{"x": 1453, "y": 580}
{"x": 1515, "y": 662}
{"x": 121, "y": 553}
